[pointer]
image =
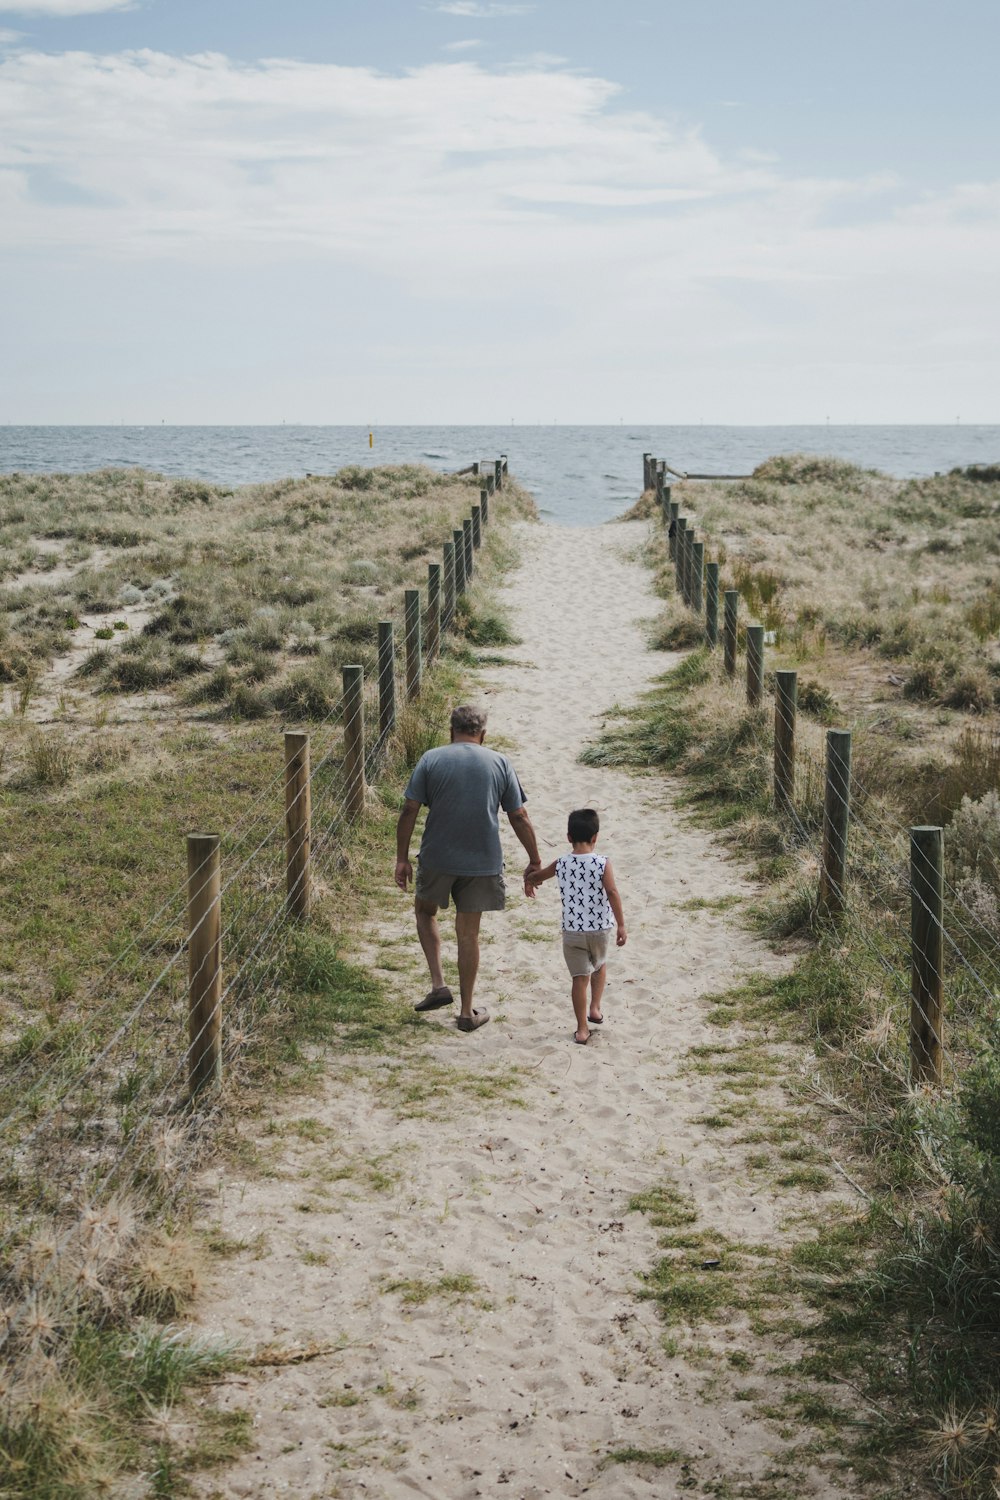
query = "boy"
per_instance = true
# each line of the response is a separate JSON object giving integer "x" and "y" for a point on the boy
{"x": 591, "y": 906}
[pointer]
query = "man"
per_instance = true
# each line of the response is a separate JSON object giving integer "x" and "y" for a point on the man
{"x": 463, "y": 786}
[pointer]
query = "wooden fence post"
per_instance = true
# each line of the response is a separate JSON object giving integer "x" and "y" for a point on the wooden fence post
{"x": 411, "y": 626}
{"x": 712, "y": 604}
{"x": 688, "y": 570}
{"x": 730, "y": 619}
{"x": 665, "y": 506}
{"x": 386, "y": 679}
{"x": 477, "y": 527}
{"x": 433, "y": 610}
{"x": 503, "y": 465}
{"x": 836, "y": 816}
{"x": 354, "y": 736}
{"x": 697, "y": 575}
{"x": 658, "y": 480}
{"x": 645, "y": 471}
{"x": 448, "y": 608}
{"x": 204, "y": 1058}
{"x": 672, "y": 529}
{"x": 755, "y": 665}
{"x": 679, "y": 554}
{"x": 498, "y": 474}
{"x": 484, "y": 505}
{"x": 785, "y": 704}
{"x": 926, "y": 954}
{"x": 298, "y": 824}
{"x": 467, "y": 545}
{"x": 458, "y": 539}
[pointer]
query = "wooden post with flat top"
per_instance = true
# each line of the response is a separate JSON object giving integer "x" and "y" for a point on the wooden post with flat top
{"x": 448, "y": 605}
{"x": 926, "y": 955}
{"x": 836, "y": 817}
{"x": 697, "y": 575}
{"x": 458, "y": 540}
{"x": 354, "y": 737}
{"x": 785, "y": 704}
{"x": 298, "y": 824}
{"x": 204, "y": 1058}
{"x": 712, "y": 604}
{"x": 730, "y": 625}
{"x": 433, "y": 610}
{"x": 411, "y": 628}
{"x": 467, "y": 544}
{"x": 755, "y": 665}
{"x": 386, "y": 679}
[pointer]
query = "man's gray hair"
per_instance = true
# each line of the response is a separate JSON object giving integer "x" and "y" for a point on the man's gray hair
{"x": 468, "y": 720}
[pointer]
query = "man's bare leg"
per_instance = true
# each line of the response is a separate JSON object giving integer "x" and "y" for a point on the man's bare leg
{"x": 467, "y": 933}
{"x": 430, "y": 940}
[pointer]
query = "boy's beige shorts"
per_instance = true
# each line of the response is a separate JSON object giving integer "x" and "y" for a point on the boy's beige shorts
{"x": 585, "y": 952}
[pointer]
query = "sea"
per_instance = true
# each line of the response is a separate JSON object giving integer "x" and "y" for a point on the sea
{"x": 580, "y": 476}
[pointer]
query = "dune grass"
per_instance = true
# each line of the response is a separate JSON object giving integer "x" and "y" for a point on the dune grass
{"x": 881, "y": 595}
{"x": 238, "y": 609}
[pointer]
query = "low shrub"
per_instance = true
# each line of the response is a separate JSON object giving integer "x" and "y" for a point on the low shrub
{"x": 309, "y": 693}
{"x": 817, "y": 701}
{"x": 485, "y": 626}
{"x": 679, "y": 634}
{"x": 806, "y": 468}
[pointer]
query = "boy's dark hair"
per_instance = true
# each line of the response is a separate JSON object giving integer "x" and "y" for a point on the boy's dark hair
{"x": 584, "y": 825}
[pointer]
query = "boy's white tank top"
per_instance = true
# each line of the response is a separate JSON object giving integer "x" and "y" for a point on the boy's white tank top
{"x": 585, "y": 904}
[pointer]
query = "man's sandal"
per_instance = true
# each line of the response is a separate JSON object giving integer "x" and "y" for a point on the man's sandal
{"x": 435, "y": 1000}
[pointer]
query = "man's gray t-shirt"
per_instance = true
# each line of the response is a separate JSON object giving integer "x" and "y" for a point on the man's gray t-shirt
{"x": 463, "y": 787}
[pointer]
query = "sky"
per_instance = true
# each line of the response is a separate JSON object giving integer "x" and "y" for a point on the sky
{"x": 451, "y": 211}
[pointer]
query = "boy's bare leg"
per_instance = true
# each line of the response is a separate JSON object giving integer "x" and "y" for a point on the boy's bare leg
{"x": 467, "y": 933}
{"x": 430, "y": 940}
{"x": 581, "y": 988}
{"x": 597, "y": 982}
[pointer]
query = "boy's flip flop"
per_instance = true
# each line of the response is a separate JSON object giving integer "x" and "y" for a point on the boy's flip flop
{"x": 435, "y": 1000}
{"x": 581, "y": 1041}
{"x": 595, "y": 1020}
{"x": 470, "y": 1023}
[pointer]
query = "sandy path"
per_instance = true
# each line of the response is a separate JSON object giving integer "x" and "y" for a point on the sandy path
{"x": 519, "y": 1386}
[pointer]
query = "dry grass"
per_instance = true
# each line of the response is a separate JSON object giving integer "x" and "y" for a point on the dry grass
{"x": 882, "y": 595}
{"x": 239, "y": 609}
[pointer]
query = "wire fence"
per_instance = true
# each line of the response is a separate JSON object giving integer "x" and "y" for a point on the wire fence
{"x": 98, "y": 1118}
{"x": 886, "y": 887}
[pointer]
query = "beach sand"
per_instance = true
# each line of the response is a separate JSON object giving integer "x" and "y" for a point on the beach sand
{"x": 467, "y": 1277}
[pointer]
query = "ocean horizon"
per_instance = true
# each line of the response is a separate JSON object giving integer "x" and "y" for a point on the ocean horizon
{"x": 579, "y": 475}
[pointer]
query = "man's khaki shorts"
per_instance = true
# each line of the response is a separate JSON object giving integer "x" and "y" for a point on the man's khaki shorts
{"x": 469, "y": 892}
{"x": 585, "y": 952}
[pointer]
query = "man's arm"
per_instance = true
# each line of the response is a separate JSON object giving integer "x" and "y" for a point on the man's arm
{"x": 404, "y": 832}
{"x": 611, "y": 889}
{"x": 521, "y": 824}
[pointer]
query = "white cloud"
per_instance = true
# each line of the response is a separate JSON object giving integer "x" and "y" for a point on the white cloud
{"x": 64, "y": 7}
{"x": 482, "y": 9}
{"x": 466, "y": 46}
{"x": 8, "y": 38}
{"x": 532, "y": 191}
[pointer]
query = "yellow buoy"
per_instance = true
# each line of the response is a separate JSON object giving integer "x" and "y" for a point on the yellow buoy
{"x": 371, "y": 440}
